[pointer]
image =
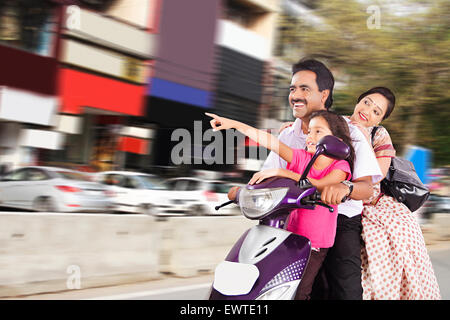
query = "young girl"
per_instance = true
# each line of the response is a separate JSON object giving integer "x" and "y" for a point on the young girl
{"x": 318, "y": 225}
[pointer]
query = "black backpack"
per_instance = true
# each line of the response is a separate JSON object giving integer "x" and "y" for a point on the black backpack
{"x": 402, "y": 182}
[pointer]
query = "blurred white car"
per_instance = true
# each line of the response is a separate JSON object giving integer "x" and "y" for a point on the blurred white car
{"x": 135, "y": 192}
{"x": 201, "y": 196}
{"x": 52, "y": 189}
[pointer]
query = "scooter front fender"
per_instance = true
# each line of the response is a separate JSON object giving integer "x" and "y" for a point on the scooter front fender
{"x": 280, "y": 256}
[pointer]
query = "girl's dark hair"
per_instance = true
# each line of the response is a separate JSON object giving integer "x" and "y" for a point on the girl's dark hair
{"x": 324, "y": 77}
{"x": 385, "y": 92}
{"x": 339, "y": 128}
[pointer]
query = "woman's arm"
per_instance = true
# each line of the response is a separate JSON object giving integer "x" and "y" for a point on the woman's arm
{"x": 263, "y": 138}
{"x": 384, "y": 163}
{"x": 384, "y": 149}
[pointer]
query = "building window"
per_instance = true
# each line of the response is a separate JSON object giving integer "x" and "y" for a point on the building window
{"x": 99, "y": 5}
{"x": 242, "y": 13}
{"x": 28, "y": 24}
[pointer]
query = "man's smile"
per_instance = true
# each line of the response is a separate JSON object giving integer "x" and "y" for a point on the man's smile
{"x": 299, "y": 104}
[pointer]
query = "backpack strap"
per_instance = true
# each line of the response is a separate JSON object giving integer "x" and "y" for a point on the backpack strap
{"x": 374, "y": 130}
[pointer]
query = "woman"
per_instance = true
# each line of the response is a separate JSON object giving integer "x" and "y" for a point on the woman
{"x": 395, "y": 262}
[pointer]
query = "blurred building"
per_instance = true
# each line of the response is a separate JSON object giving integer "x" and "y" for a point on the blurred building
{"x": 182, "y": 83}
{"x": 104, "y": 70}
{"x": 28, "y": 77}
{"x": 276, "y": 110}
{"x": 105, "y": 83}
{"x": 245, "y": 41}
{"x": 73, "y": 73}
{"x": 214, "y": 56}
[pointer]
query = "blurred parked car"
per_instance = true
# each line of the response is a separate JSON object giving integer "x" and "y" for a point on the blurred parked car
{"x": 135, "y": 192}
{"x": 201, "y": 196}
{"x": 52, "y": 189}
{"x": 435, "y": 204}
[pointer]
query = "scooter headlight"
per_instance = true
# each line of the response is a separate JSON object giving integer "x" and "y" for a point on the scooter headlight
{"x": 257, "y": 202}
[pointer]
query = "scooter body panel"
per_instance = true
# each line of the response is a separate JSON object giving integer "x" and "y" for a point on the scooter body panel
{"x": 280, "y": 256}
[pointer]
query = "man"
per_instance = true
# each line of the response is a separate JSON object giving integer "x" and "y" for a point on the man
{"x": 311, "y": 90}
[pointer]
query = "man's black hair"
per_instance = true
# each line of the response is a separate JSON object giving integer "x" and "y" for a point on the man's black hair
{"x": 324, "y": 77}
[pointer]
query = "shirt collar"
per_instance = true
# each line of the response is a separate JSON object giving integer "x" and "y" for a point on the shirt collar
{"x": 297, "y": 128}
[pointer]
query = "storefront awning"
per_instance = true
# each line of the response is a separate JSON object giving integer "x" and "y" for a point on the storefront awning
{"x": 42, "y": 139}
{"x": 80, "y": 89}
{"x": 133, "y": 145}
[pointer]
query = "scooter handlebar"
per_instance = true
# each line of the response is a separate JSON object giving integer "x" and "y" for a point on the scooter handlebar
{"x": 223, "y": 204}
{"x": 305, "y": 183}
{"x": 316, "y": 200}
{"x": 345, "y": 198}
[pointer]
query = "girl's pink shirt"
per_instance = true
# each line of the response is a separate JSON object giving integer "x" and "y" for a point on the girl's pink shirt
{"x": 318, "y": 225}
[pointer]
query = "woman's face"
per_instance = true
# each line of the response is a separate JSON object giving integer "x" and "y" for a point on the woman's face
{"x": 318, "y": 128}
{"x": 370, "y": 110}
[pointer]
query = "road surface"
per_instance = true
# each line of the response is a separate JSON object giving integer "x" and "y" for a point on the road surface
{"x": 197, "y": 288}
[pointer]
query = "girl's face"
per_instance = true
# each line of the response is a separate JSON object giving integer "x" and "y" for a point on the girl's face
{"x": 318, "y": 128}
{"x": 370, "y": 110}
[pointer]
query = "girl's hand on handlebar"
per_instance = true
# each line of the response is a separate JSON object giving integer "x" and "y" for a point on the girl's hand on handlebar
{"x": 277, "y": 172}
{"x": 261, "y": 175}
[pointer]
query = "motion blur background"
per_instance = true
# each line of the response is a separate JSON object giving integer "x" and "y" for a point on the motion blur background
{"x": 103, "y": 87}
{"x": 98, "y": 85}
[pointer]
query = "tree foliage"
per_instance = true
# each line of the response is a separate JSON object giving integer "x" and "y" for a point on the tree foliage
{"x": 409, "y": 54}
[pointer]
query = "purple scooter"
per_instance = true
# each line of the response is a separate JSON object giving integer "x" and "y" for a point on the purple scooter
{"x": 267, "y": 262}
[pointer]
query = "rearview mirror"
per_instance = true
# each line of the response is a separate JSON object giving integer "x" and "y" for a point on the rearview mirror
{"x": 329, "y": 146}
{"x": 333, "y": 147}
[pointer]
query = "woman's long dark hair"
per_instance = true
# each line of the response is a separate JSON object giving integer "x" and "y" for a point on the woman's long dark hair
{"x": 339, "y": 128}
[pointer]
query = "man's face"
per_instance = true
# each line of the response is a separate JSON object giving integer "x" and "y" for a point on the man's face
{"x": 304, "y": 96}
